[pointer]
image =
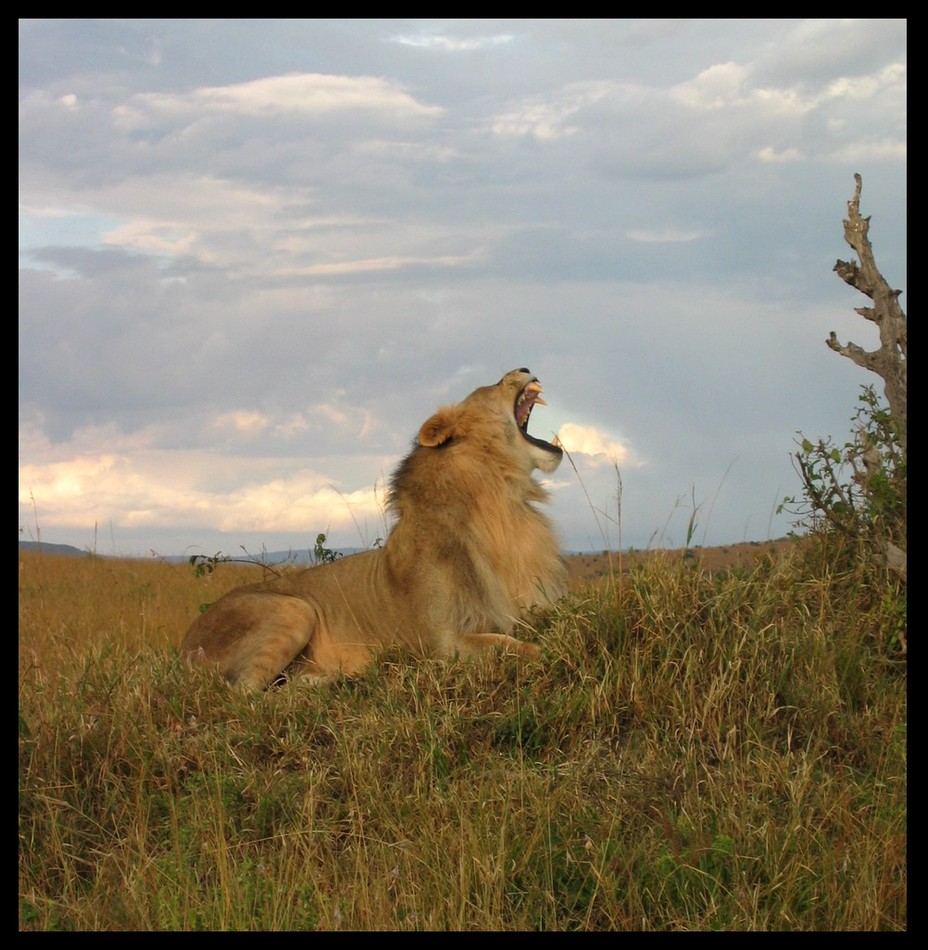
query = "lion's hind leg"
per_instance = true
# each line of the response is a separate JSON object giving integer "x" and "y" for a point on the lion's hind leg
{"x": 253, "y": 637}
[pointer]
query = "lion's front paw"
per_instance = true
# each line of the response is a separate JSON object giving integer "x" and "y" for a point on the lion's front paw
{"x": 528, "y": 651}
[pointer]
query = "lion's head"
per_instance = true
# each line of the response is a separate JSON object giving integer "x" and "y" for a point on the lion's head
{"x": 508, "y": 405}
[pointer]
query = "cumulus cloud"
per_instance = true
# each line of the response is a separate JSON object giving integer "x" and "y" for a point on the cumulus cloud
{"x": 769, "y": 154}
{"x": 884, "y": 150}
{"x": 246, "y": 421}
{"x": 294, "y": 504}
{"x": 551, "y": 117}
{"x": 106, "y": 489}
{"x": 668, "y": 235}
{"x": 370, "y": 265}
{"x": 355, "y": 420}
{"x": 714, "y": 88}
{"x": 307, "y": 94}
{"x": 66, "y": 482}
{"x": 160, "y": 238}
{"x": 452, "y": 44}
{"x": 702, "y": 124}
{"x": 866, "y": 87}
{"x": 588, "y": 440}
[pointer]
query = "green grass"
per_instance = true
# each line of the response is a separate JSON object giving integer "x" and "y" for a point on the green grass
{"x": 695, "y": 752}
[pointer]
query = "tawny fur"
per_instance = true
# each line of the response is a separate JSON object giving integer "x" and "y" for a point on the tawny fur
{"x": 468, "y": 555}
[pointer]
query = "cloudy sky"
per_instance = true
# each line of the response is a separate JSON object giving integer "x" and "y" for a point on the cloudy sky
{"x": 256, "y": 254}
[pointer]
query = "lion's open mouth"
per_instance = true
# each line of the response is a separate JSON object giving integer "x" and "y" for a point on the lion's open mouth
{"x": 525, "y": 402}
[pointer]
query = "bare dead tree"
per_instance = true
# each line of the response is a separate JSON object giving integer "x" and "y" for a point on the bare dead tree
{"x": 889, "y": 361}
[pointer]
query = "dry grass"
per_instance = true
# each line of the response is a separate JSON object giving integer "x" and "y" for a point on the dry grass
{"x": 597, "y": 568}
{"x": 697, "y": 751}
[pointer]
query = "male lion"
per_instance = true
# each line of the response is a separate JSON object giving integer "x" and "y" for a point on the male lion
{"x": 468, "y": 553}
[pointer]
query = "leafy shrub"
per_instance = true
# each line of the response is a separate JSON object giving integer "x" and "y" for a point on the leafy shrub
{"x": 857, "y": 492}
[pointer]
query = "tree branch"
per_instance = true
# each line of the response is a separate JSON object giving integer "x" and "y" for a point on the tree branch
{"x": 889, "y": 361}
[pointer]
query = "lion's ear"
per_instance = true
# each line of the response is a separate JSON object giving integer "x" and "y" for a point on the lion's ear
{"x": 438, "y": 429}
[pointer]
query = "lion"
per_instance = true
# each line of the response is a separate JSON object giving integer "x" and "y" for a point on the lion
{"x": 468, "y": 555}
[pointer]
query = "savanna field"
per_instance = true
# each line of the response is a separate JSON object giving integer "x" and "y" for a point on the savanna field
{"x": 701, "y": 748}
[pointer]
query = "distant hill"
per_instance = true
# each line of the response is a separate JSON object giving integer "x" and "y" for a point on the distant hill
{"x": 65, "y": 549}
{"x": 298, "y": 558}
{"x": 270, "y": 557}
